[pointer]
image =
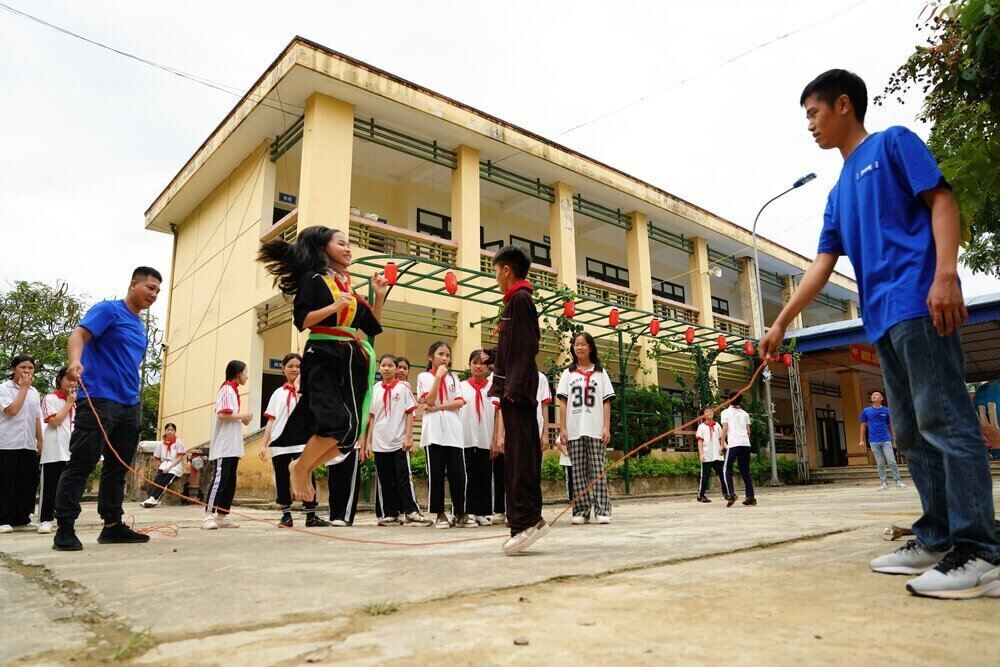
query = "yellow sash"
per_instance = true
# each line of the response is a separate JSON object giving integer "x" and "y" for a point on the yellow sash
{"x": 345, "y": 317}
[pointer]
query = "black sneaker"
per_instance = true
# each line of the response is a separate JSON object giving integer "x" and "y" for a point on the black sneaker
{"x": 703, "y": 499}
{"x": 286, "y": 521}
{"x": 313, "y": 521}
{"x": 66, "y": 539}
{"x": 750, "y": 501}
{"x": 119, "y": 533}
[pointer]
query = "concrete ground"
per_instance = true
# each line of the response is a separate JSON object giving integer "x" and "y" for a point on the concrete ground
{"x": 669, "y": 581}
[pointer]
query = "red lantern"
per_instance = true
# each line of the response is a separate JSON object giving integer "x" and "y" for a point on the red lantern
{"x": 786, "y": 359}
{"x": 391, "y": 273}
{"x": 722, "y": 342}
{"x": 613, "y": 317}
{"x": 689, "y": 335}
{"x": 748, "y": 348}
{"x": 450, "y": 282}
{"x": 569, "y": 309}
{"x": 654, "y": 326}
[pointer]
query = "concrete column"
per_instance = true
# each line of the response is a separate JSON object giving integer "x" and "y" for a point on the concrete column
{"x": 809, "y": 412}
{"x": 465, "y": 232}
{"x": 562, "y": 231}
{"x": 750, "y": 297}
{"x": 256, "y": 363}
{"x": 701, "y": 286}
{"x": 850, "y": 398}
{"x": 852, "y": 310}
{"x": 327, "y": 155}
{"x": 640, "y": 273}
{"x": 788, "y": 287}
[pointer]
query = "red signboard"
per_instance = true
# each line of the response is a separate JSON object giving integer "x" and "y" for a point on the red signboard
{"x": 864, "y": 354}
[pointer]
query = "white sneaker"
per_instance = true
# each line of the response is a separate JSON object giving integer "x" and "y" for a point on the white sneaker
{"x": 899, "y": 484}
{"x": 339, "y": 523}
{"x": 499, "y": 517}
{"x": 603, "y": 518}
{"x": 417, "y": 518}
{"x": 442, "y": 522}
{"x": 525, "y": 538}
{"x": 209, "y": 523}
{"x": 45, "y": 527}
{"x": 226, "y": 521}
{"x": 908, "y": 559}
{"x": 885, "y": 485}
{"x": 388, "y": 521}
{"x": 959, "y": 576}
{"x": 150, "y": 502}
{"x": 484, "y": 520}
{"x": 6, "y": 528}
{"x": 580, "y": 519}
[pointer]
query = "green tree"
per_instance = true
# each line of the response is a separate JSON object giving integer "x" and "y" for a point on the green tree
{"x": 37, "y": 319}
{"x": 959, "y": 70}
{"x": 149, "y": 377}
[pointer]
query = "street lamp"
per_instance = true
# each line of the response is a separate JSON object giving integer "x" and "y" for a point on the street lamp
{"x": 760, "y": 297}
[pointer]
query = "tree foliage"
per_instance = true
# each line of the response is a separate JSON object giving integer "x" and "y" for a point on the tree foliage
{"x": 958, "y": 69}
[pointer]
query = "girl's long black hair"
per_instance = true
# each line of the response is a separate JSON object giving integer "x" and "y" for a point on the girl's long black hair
{"x": 433, "y": 349}
{"x": 593, "y": 351}
{"x": 288, "y": 262}
{"x": 233, "y": 369}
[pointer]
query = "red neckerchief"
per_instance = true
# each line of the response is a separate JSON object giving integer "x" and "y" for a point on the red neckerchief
{"x": 586, "y": 377}
{"x": 58, "y": 392}
{"x": 520, "y": 284}
{"x": 168, "y": 445}
{"x": 236, "y": 390}
{"x": 711, "y": 426}
{"x": 387, "y": 395}
{"x": 72, "y": 408}
{"x": 479, "y": 395}
{"x": 290, "y": 388}
{"x": 443, "y": 390}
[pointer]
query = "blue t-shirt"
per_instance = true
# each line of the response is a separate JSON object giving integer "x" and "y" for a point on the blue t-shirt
{"x": 111, "y": 358}
{"x": 875, "y": 216}
{"x": 878, "y": 423}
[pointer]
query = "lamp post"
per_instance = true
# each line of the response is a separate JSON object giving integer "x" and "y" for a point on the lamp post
{"x": 760, "y": 297}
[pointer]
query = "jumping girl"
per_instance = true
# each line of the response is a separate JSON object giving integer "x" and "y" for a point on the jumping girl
{"x": 338, "y": 366}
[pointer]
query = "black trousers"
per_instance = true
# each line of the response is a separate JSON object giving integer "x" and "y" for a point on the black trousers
{"x": 223, "y": 488}
{"x": 707, "y": 467}
{"x": 394, "y": 486}
{"x": 345, "y": 482}
{"x": 739, "y": 455}
{"x": 122, "y": 423}
{"x": 283, "y": 484}
{"x": 164, "y": 479}
{"x": 47, "y": 493}
{"x": 522, "y": 467}
{"x": 499, "y": 493}
{"x": 18, "y": 481}
{"x": 479, "y": 489}
{"x": 447, "y": 462}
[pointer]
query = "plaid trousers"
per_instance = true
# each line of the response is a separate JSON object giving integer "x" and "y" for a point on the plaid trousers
{"x": 589, "y": 457}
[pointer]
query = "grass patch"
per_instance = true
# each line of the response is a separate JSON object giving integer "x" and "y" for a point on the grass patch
{"x": 139, "y": 642}
{"x": 380, "y": 608}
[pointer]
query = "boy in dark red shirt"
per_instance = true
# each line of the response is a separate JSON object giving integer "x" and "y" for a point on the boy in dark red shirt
{"x": 515, "y": 384}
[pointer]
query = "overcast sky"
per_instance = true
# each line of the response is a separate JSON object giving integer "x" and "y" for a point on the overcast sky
{"x": 90, "y": 137}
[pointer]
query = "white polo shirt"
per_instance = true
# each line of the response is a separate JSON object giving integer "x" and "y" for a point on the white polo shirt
{"x": 738, "y": 421}
{"x": 165, "y": 455}
{"x": 711, "y": 441}
{"x": 227, "y": 435}
{"x": 55, "y": 439}
{"x": 18, "y": 431}
{"x": 443, "y": 427}
{"x": 543, "y": 397}
{"x": 391, "y": 403}
{"x": 478, "y": 414}
{"x": 585, "y": 395}
{"x": 279, "y": 407}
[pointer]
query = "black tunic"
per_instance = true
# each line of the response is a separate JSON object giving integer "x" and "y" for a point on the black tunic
{"x": 335, "y": 374}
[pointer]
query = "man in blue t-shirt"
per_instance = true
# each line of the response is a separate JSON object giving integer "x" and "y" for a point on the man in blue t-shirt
{"x": 875, "y": 421}
{"x": 893, "y": 214}
{"x": 105, "y": 351}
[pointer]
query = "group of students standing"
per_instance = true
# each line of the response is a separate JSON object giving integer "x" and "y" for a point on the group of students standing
{"x": 722, "y": 445}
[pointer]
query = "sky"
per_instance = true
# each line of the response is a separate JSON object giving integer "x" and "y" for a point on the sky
{"x": 93, "y": 137}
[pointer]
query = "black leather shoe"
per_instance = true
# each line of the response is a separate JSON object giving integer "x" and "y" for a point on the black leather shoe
{"x": 119, "y": 533}
{"x": 66, "y": 539}
{"x": 313, "y": 521}
{"x": 286, "y": 521}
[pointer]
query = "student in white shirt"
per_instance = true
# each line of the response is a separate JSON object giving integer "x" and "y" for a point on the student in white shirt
{"x": 226, "y": 447}
{"x": 478, "y": 427}
{"x": 709, "y": 437}
{"x": 389, "y": 443}
{"x": 403, "y": 371}
{"x": 279, "y": 408}
{"x": 437, "y": 391}
{"x": 20, "y": 443}
{"x": 585, "y": 392}
{"x": 170, "y": 453}
{"x": 736, "y": 441}
{"x": 58, "y": 412}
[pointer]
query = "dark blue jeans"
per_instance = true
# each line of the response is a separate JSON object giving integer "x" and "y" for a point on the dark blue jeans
{"x": 937, "y": 429}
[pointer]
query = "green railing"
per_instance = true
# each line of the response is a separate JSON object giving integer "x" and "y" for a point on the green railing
{"x": 508, "y": 179}
{"x": 613, "y": 216}
{"x": 601, "y": 291}
{"x": 387, "y": 240}
{"x": 540, "y": 276}
{"x": 732, "y": 325}
{"x": 674, "y": 310}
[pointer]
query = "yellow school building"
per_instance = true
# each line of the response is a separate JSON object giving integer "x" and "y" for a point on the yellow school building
{"x": 324, "y": 139}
